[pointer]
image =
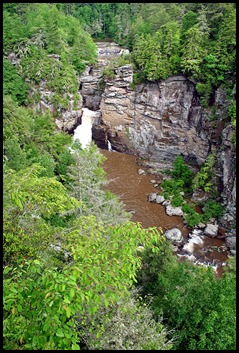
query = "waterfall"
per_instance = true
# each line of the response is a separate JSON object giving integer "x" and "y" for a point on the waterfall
{"x": 109, "y": 146}
{"x": 83, "y": 132}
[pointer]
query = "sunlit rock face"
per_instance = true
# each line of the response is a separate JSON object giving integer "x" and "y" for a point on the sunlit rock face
{"x": 158, "y": 120}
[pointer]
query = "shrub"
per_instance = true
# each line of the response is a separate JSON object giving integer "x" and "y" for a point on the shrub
{"x": 203, "y": 178}
{"x": 191, "y": 217}
{"x": 108, "y": 73}
{"x": 177, "y": 200}
{"x": 212, "y": 209}
{"x": 185, "y": 295}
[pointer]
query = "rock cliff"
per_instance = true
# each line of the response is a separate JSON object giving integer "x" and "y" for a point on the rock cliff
{"x": 158, "y": 121}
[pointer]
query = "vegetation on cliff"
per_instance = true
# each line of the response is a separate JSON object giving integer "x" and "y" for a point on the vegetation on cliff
{"x": 72, "y": 258}
{"x": 50, "y": 49}
{"x": 197, "y": 40}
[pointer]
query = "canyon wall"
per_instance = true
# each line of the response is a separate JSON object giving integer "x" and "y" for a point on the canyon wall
{"x": 156, "y": 120}
{"x": 159, "y": 120}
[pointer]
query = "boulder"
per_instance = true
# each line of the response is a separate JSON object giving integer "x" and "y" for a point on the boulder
{"x": 160, "y": 199}
{"x": 174, "y": 211}
{"x": 231, "y": 243}
{"x": 174, "y": 234}
{"x": 189, "y": 247}
{"x": 201, "y": 225}
{"x": 166, "y": 203}
{"x": 211, "y": 230}
{"x": 195, "y": 239}
{"x": 141, "y": 172}
{"x": 152, "y": 197}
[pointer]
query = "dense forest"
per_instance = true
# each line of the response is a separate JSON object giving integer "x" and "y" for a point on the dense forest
{"x": 77, "y": 272}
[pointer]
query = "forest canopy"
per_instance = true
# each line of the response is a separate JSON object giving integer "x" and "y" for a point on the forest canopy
{"x": 77, "y": 272}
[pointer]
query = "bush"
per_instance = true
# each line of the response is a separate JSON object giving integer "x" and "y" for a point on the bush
{"x": 182, "y": 171}
{"x": 191, "y": 217}
{"x": 177, "y": 200}
{"x": 185, "y": 295}
{"x": 108, "y": 73}
{"x": 204, "y": 90}
{"x": 212, "y": 209}
{"x": 203, "y": 178}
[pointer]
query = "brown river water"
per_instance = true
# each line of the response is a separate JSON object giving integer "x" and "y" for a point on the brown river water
{"x": 132, "y": 189}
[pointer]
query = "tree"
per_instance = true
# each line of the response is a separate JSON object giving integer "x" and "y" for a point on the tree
{"x": 131, "y": 327}
{"x": 87, "y": 184}
{"x": 29, "y": 201}
{"x": 50, "y": 308}
{"x": 185, "y": 295}
{"x": 13, "y": 84}
{"x": 13, "y": 31}
{"x": 193, "y": 52}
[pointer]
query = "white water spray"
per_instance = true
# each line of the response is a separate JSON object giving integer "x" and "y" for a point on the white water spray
{"x": 109, "y": 146}
{"x": 83, "y": 132}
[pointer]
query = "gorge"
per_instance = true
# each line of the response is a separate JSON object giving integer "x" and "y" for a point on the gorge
{"x": 155, "y": 122}
{"x": 119, "y": 176}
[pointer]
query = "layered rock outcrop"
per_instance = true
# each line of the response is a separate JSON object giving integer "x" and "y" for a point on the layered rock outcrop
{"x": 158, "y": 120}
{"x": 155, "y": 120}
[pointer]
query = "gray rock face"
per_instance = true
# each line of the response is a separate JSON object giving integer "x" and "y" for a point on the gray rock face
{"x": 163, "y": 119}
{"x": 174, "y": 234}
{"x": 189, "y": 247}
{"x": 160, "y": 120}
{"x": 174, "y": 211}
{"x": 91, "y": 80}
{"x": 152, "y": 197}
{"x": 227, "y": 158}
{"x": 67, "y": 119}
{"x": 231, "y": 243}
{"x": 211, "y": 230}
{"x": 141, "y": 171}
{"x": 160, "y": 199}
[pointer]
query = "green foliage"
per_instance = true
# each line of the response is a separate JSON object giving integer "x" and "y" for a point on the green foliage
{"x": 185, "y": 294}
{"x": 203, "y": 178}
{"x": 204, "y": 90}
{"x": 177, "y": 200}
{"x": 157, "y": 55}
{"x": 52, "y": 305}
{"x": 17, "y": 121}
{"x": 13, "y": 31}
{"x": 191, "y": 217}
{"x": 64, "y": 160}
{"x": 182, "y": 171}
{"x": 212, "y": 209}
{"x": 181, "y": 178}
{"x": 108, "y": 72}
{"x": 189, "y": 20}
{"x": 28, "y": 200}
{"x": 30, "y": 138}
{"x": 16, "y": 158}
{"x": 13, "y": 84}
{"x": 43, "y": 30}
{"x": 131, "y": 327}
{"x": 39, "y": 313}
{"x": 171, "y": 187}
{"x": 88, "y": 186}
{"x": 71, "y": 256}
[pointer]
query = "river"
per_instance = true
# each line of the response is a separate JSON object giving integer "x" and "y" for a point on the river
{"x": 132, "y": 189}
